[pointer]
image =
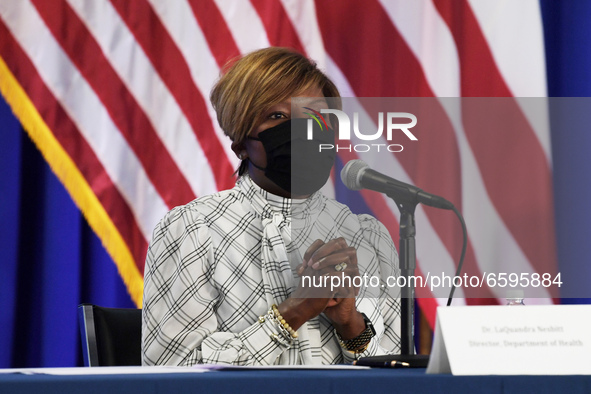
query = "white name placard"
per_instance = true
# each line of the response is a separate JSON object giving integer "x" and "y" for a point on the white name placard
{"x": 512, "y": 340}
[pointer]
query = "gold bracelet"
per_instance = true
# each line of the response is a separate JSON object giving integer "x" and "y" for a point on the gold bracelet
{"x": 282, "y": 321}
{"x": 360, "y": 343}
{"x": 283, "y": 337}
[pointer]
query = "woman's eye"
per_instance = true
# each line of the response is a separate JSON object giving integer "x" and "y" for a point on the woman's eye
{"x": 277, "y": 115}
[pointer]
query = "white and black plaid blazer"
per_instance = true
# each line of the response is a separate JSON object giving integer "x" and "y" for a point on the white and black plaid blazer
{"x": 204, "y": 289}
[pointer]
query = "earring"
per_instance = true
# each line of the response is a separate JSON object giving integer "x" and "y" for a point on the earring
{"x": 241, "y": 156}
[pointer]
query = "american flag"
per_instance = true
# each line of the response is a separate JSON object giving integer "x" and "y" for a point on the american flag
{"x": 115, "y": 95}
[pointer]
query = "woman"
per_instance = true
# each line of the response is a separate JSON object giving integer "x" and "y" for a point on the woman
{"x": 232, "y": 277}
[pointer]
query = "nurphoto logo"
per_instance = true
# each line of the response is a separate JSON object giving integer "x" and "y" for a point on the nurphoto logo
{"x": 393, "y": 123}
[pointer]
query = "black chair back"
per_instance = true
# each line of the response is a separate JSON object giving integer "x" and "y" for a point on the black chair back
{"x": 110, "y": 336}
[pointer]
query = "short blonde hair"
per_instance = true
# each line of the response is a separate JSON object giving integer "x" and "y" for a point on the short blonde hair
{"x": 252, "y": 84}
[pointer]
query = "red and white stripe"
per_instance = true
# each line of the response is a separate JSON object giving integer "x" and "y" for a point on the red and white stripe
{"x": 124, "y": 87}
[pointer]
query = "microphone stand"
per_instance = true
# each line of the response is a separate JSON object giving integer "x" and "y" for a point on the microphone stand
{"x": 406, "y": 203}
{"x": 408, "y": 264}
{"x": 406, "y": 197}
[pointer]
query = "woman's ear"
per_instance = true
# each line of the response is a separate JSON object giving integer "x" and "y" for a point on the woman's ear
{"x": 240, "y": 150}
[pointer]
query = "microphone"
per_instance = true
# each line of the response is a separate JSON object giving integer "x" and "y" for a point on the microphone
{"x": 357, "y": 175}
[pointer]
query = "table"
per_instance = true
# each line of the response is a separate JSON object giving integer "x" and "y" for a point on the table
{"x": 291, "y": 381}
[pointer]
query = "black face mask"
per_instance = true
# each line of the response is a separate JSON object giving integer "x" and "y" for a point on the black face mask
{"x": 295, "y": 163}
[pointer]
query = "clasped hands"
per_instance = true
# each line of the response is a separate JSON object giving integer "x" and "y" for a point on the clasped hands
{"x": 326, "y": 285}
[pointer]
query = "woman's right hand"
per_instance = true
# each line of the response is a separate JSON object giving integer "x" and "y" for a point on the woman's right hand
{"x": 309, "y": 299}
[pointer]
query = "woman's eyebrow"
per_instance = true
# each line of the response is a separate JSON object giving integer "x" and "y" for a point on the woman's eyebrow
{"x": 316, "y": 101}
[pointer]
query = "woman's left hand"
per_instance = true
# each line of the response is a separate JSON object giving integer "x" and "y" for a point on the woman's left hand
{"x": 325, "y": 258}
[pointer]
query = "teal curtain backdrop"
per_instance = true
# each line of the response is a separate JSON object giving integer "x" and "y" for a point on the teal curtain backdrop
{"x": 51, "y": 261}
